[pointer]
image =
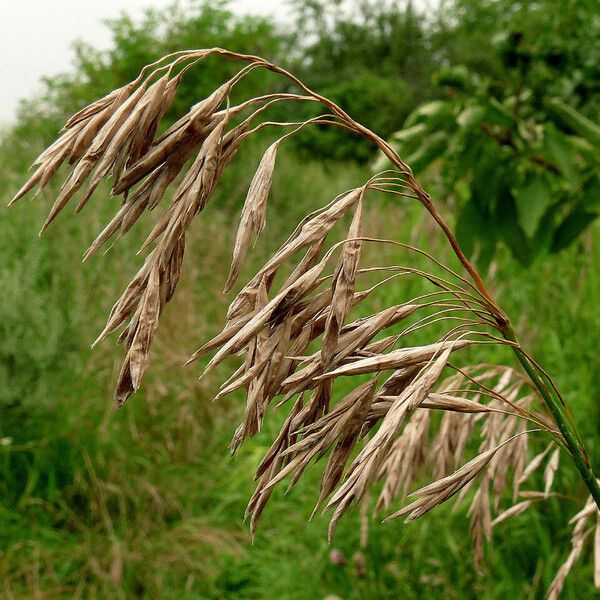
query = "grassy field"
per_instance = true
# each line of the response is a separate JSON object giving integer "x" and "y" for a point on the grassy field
{"x": 146, "y": 502}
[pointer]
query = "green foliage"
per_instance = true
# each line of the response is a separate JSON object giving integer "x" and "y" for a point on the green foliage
{"x": 36, "y": 338}
{"x": 370, "y": 57}
{"x": 337, "y": 39}
{"x": 379, "y": 101}
{"x": 507, "y": 143}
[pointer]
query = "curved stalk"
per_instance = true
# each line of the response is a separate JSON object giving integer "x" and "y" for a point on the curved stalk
{"x": 560, "y": 416}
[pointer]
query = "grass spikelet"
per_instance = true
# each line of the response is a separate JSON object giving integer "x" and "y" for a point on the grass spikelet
{"x": 253, "y": 218}
{"x": 438, "y": 492}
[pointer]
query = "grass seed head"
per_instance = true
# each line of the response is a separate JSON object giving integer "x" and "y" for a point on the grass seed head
{"x": 296, "y": 344}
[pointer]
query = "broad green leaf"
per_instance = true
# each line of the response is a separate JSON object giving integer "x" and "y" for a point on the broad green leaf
{"x": 404, "y": 142}
{"x": 487, "y": 250}
{"x": 567, "y": 115}
{"x": 472, "y": 116}
{"x": 435, "y": 114}
{"x": 410, "y": 135}
{"x": 476, "y": 234}
{"x": 587, "y": 151}
{"x": 455, "y": 77}
{"x": 469, "y": 225}
{"x": 510, "y": 232}
{"x": 572, "y": 227}
{"x": 560, "y": 151}
{"x": 498, "y": 114}
{"x": 491, "y": 177}
{"x": 432, "y": 148}
{"x": 591, "y": 195}
{"x": 532, "y": 199}
{"x": 541, "y": 242}
{"x": 419, "y": 152}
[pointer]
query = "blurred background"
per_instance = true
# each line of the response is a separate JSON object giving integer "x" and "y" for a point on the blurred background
{"x": 496, "y": 106}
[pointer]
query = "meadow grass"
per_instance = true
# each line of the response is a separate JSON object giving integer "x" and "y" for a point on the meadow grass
{"x": 146, "y": 502}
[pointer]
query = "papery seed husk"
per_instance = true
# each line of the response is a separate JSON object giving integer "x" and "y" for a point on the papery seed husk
{"x": 343, "y": 286}
{"x": 128, "y": 300}
{"x": 403, "y": 357}
{"x": 309, "y": 232}
{"x": 163, "y": 96}
{"x": 121, "y": 135}
{"x": 148, "y": 322}
{"x": 534, "y": 464}
{"x": 550, "y": 470}
{"x": 295, "y": 291}
{"x": 366, "y": 465}
{"x": 253, "y": 217}
{"x": 452, "y": 403}
{"x": 350, "y": 433}
{"x": 85, "y": 166}
{"x": 100, "y": 105}
{"x": 439, "y": 491}
{"x": 513, "y": 511}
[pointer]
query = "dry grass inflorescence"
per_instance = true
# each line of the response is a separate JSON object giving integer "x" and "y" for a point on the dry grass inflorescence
{"x": 299, "y": 323}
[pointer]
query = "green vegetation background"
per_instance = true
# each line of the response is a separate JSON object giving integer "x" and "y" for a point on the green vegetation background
{"x": 146, "y": 502}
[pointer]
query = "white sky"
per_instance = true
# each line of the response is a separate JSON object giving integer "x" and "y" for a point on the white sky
{"x": 36, "y": 37}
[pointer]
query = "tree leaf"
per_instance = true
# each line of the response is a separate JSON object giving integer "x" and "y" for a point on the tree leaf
{"x": 541, "y": 242}
{"x": 469, "y": 224}
{"x": 471, "y": 116}
{"x": 573, "y": 119}
{"x": 408, "y": 138}
{"x": 498, "y": 114}
{"x": 452, "y": 76}
{"x": 532, "y": 199}
{"x": 591, "y": 194}
{"x": 561, "y": 151}
{"x": 435, "y": 114}
{"x": 572, "y": 227}
{"x": 476, "y": 234}
{"x": 433, "y": 147}
{"x": 510, "y": 230}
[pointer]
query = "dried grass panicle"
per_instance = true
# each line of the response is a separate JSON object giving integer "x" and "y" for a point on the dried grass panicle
{"x": 586, "y": 522}
{"x": 295, "y": 342}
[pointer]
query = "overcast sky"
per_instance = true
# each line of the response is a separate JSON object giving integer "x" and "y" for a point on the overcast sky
{"x": 36, "y": 37}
